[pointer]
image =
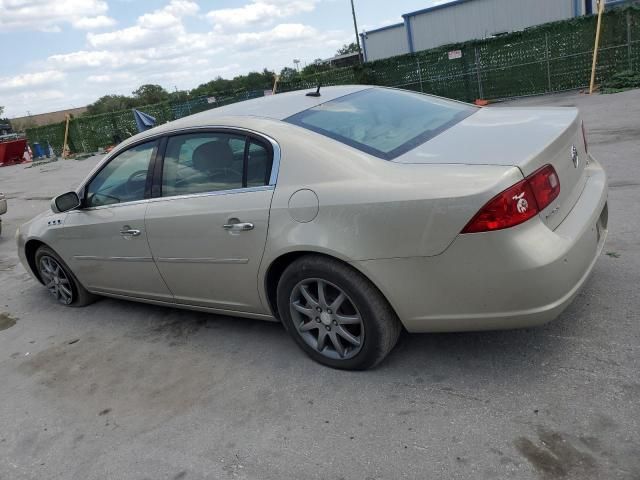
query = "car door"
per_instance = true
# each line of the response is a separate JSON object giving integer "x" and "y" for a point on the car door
{"x": 105, "y": 240}
{"x": 208, "y": 229}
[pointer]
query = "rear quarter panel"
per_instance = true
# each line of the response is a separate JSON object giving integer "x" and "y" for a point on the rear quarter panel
{"x": 371, "y": 208}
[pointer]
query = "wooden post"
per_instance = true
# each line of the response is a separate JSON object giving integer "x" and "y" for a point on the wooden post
{"x": 479, "y": 74}
{"x": 629, "y": 45}
{"x": 547, "y": 55}
{"x": 65, "y": 148}
{"x": 595, "y": 48}
{"x": 275, "y": 84}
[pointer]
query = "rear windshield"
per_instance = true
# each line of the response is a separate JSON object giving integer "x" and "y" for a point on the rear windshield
{"x": 383, "y": 122}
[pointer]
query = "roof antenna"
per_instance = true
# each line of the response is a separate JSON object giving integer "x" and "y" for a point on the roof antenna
{"x": 316, "y": 93}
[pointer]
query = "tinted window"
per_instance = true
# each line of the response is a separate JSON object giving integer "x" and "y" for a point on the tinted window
{"x": 258, "y": 165}
{"x": 209, "y": 162}
{"x": 123, "y": 179}
{"x": 383, "y": 122}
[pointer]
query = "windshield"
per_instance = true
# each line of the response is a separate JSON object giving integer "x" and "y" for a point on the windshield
{"x": 383, "y": 122}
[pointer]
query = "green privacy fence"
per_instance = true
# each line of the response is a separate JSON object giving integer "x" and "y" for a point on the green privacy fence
{"x": 91, "y": 133}
{"x": 549, "y": 58}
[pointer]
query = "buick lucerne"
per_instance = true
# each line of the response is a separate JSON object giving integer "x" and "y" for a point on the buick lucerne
{"x": 346, "y": 215}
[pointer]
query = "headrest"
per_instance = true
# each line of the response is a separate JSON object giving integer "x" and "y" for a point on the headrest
{"x": 212, "y": 155}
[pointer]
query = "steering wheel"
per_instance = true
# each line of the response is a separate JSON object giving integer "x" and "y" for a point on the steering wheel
{"x": 132, "y": 184}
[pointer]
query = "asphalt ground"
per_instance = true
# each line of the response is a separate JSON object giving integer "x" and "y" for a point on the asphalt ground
{"x": 123, "y": 390}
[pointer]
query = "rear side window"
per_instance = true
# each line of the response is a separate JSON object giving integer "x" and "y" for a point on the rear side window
{"x": 258, "y": 165}
{"x": 383, "y": 122}
{"x": 210, "y": 162}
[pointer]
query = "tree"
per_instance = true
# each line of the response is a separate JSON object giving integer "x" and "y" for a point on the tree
{"x": 251, "y": 81}
{"x": 149, "y": 94}
{"x": 351, "y": 48}
{"x": 110, "y": 103}
{"x": 256, "y": 80}
{"x": 287, "y": 74}
{"x": 4, "y": 121}
{"x": 216, "y": 85}
{"x": 179, "y": 95}
{"x": 316, "y": 66}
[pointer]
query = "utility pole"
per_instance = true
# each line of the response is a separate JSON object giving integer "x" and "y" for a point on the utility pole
{"x": 355, "y": 26}
{"x": 592, "y": 84}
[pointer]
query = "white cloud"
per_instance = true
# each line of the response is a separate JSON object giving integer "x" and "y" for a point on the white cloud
{"x": 35, "y": 102}
{"x": 84, "y": 59}
{"x": 182, "y": 8}
{"x": 93, "y": 23}
{"x": 49, "y": 94}
{"x": 48, "y": 15}
{"x": 30, "y": 80}
{"x": 285, "y": 32}
{"x": 110, "y": 78}
{"x": 260, "y": 12}
{"x": 154, "y": 28}
{"x": 135, "y": 36}
{"x": 160, "y": 47}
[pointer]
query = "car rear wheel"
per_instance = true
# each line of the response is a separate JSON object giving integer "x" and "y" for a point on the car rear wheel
{"x": 59, "y": 279}
{"x": 335, "y": 314}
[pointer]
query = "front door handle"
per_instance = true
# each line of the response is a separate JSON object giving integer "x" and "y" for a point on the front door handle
{"x": 127, "y": 231}
{"x": 238, "y": 227}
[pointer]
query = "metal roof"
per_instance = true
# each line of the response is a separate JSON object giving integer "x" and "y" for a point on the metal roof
{"x": 382, "y": 29}
{"x": 452, "y": 3}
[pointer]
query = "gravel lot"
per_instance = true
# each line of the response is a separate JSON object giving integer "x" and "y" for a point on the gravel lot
{"x": 130, "y": 391}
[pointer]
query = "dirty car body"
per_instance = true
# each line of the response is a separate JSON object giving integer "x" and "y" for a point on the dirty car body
{"x": 454, "y": 217}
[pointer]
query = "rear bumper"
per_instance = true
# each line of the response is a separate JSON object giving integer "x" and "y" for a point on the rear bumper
{"x": 514, "y": 278}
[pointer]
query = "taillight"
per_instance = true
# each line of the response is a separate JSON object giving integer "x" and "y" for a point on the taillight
{"x": 584, "y": 138}
{"x": 545, "y": 185}
{"x": 518, "y": 203}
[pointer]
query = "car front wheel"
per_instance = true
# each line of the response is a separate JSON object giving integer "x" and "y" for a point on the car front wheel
{"x": 59, "y": 279}
{"x": 335, "y": 314}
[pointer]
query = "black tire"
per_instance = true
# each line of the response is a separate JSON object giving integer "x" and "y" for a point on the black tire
{"x": 379, "y": 323}
{"x": 80, "y": 296}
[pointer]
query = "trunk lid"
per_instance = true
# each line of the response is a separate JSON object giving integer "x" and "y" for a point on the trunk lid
{"x": 526, "y": 138}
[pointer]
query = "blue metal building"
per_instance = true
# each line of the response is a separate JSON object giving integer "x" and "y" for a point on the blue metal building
{"x": 463, "y": 20}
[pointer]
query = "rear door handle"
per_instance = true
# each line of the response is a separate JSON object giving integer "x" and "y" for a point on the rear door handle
{"x": 238, "y": 227}
{"x": 127, "y": 231}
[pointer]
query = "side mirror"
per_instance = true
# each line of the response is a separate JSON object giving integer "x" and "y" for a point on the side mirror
{"x": 65, "y": 202}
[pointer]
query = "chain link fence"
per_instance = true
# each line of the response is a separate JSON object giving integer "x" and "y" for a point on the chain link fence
{"x": 91, "y": 133}
{"x": 549, "y": 58}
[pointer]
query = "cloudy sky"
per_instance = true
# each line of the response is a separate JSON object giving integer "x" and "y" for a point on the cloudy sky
{"x": 58, "y": 54}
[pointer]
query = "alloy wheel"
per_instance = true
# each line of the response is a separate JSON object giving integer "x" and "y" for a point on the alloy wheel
{"x": 56, "y": 280}
{"x": 327, "y": 319}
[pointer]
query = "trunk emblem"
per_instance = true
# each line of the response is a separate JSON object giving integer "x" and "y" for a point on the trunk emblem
{"x": 575, "y": 158}
{"x": 522, "y": 204}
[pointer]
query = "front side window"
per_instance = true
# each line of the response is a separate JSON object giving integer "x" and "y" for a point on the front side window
{"x": 210, "y": 162}
{"x": 383, "y": 122}
{"x": 124, "y": 178}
